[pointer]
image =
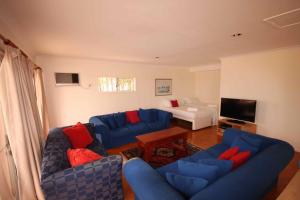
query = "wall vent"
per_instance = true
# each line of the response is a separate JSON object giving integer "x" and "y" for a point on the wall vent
{"x": 286, "y": 19}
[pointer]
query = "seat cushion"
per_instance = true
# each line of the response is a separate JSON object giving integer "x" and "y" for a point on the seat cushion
{"x": 136, "y": 129}
{"x": 186, "y": 185}
{"x": 120, "y": 132}
{"x": 199, "y": 155}
{"x": 154, "y": 126}
{"x": 224, "y": 166}
{"x": 81, "y": 156}
{"x": 192, "y": 169}
{"x": 217, "y": 149}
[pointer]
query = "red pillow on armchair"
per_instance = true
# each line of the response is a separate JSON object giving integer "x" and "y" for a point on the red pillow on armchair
{"x": 78, "y": 135}
{"x": 81, "y": 156}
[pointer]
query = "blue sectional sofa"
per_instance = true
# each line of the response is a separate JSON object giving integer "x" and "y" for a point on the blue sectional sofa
{"x": 248, "y": 182}
{"x": 101, "y": 179}
{"x": 115, "y": 131}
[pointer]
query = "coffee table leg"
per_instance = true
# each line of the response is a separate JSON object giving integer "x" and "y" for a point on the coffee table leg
{"x": 147, "y": 153}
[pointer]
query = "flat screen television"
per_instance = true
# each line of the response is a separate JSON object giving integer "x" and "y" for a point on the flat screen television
{"x": 238, "y": 109}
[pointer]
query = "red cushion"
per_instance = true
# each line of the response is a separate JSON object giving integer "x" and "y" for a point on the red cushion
{"x": 240, "y": 158}
{"x": 174, "y": 103}
{"x": 81, "y": 156}
{"x": 132, "y": 117}
{"x": 226, "y": 155}
{"x": 78, "y": 136}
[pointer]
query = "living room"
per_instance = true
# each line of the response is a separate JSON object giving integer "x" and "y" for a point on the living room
{"x": 147, "y": 80}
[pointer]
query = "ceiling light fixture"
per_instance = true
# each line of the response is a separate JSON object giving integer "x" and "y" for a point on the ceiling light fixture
{"x": 236, "y": 35}
{"x": 156, "y": 57}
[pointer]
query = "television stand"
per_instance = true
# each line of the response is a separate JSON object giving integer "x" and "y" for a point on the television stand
{"x": 224, "y": 123}
{"x": 236, "y": 121}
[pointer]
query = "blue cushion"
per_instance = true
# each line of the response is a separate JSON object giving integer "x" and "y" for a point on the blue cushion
{"x": 253, "y": 140}
{"x": 193, "y": 169}
{"x": 186, "y": 185}
{"x": 120, "y": 119}
{"x": 138, "y": 128}
{"x": 111, "y": 122}
{"x": 145, "y": 115}
{"x": 119, "y": 132}
{"x": 200, "y": 155}
{"x": 224, "y": 166}
{"x": 217, "y": 149}
{"x": 154, "y": 115}
{"x": 244, "y": 145}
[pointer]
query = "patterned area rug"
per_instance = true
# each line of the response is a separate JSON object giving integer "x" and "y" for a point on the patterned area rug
{"x": 162, "y": 155}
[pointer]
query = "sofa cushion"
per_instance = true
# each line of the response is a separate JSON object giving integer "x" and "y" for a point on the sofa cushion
{"x": 81, "y": 156}
{"x": 153, "y": 126}
{"x": 145, "y": 115}
{"x": 132, "y": 116}
{"x": 186, "y": 185}
{"x": 217, "y": 149}
{"x": 78, "y": 135}
{"x": 136, "y": 129}
{"x": 193, "y": 169}
{"x": 199, "y": 155}
{"x": 111, "y": 122}
{"x": 226, "y": 155}
{"x": 120, "y": 119}
{"x": 120, "y": 132}
{"x": 240, "y": 158}
{"x": 244, "y": 145}
{"x": 224, "y": 166}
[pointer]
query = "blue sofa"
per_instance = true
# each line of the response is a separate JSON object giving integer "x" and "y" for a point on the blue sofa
{"x": 115, "y": 131}
{"x": 100, "y": 179}
{"x": 248, "y": 182}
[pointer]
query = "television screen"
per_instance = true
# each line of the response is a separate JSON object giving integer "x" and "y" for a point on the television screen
{"x": 240, "y": 109}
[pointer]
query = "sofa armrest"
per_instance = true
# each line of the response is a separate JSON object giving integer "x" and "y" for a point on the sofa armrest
{"x": 165, "y": 117}
{"x": 253, "y": 179}
{"x": 101, "y": 130}
{"x": 101, "y": 179}
{"x": 146, "y": 183}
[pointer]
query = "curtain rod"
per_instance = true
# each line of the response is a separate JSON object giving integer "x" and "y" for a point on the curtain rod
{"x": 10, "y": 43}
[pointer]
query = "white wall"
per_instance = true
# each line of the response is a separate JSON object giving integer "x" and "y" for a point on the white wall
{"x": 273, "y": 79}
{"x": 207, "y": 88}
{"x": 69, "y": 104}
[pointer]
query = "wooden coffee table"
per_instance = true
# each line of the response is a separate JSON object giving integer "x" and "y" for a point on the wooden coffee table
{"x": 148, "y": 142}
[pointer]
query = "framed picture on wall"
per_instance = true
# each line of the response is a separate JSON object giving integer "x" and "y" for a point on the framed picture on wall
{"x": 163, "y": 87}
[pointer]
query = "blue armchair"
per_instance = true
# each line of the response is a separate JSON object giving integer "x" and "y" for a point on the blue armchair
{"x": 100, "y": 179}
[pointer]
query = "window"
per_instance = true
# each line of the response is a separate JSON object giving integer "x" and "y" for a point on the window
{"x": 113, "y": 84}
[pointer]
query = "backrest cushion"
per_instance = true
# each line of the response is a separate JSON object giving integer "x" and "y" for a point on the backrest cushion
{"x": 55, "y": 153}
{"x": 78, "y": 135}
{"x": 145, "y": 115}
{"x": 120, "y": 119}
{"x": 224, "y": 166}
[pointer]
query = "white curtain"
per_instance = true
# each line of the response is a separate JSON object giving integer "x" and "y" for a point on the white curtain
{"x": 21, "y": 121}
{"x": 41, "y": 100}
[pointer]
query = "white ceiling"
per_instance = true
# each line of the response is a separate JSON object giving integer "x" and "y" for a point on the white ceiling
{"x": 180, "y": 32}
